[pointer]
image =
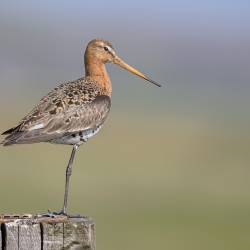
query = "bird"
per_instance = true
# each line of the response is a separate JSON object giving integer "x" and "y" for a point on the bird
{"x": 74, "y": 111}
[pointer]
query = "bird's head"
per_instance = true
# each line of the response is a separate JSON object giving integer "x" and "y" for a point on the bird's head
{"x": 101, "y": 50}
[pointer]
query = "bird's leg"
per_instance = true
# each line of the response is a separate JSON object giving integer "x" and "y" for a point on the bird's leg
{"x": 68, "y": 174}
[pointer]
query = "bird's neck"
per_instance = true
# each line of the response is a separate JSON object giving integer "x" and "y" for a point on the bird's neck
{"x": 97, "y": 71}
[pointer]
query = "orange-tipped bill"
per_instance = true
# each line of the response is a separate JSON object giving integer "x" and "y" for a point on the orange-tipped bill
{"x": 122, "y": 64}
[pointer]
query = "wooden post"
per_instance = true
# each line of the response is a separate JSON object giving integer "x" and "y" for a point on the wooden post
{"x": 37, "y": 232}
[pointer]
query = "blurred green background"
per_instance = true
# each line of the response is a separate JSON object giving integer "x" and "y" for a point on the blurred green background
{"x": 170, "y": 168}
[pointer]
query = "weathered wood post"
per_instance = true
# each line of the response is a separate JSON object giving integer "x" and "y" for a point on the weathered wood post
{"x": 38, "y": 232}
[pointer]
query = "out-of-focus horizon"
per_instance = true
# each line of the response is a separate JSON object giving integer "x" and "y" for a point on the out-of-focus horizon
{"x": 170, "y": 168}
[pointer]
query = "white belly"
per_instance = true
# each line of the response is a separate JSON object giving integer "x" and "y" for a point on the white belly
{"x": 77, "y": 138}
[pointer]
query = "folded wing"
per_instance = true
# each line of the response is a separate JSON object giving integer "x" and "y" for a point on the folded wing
{"x": 60, "y": 113}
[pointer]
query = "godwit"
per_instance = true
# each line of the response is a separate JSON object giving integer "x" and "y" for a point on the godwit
{"x": 74, "y": 111}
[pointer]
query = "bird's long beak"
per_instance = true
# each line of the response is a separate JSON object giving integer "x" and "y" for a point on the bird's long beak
{"x": 122, "y": 64}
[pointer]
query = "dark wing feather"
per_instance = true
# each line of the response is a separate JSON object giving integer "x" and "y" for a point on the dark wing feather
{"x": 61, "y": 113}
{"x": 9, "y": 131}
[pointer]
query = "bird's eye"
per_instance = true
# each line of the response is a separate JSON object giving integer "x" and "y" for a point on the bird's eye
{"x": 106, "y": 48}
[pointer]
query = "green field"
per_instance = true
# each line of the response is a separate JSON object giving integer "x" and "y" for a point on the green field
{"x": 184, "y": 185}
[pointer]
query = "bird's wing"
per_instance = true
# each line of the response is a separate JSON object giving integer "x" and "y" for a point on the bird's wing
{"x": 59, "y": 113}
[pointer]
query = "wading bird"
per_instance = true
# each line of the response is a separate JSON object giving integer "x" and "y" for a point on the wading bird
{"x": 74, "y": 111}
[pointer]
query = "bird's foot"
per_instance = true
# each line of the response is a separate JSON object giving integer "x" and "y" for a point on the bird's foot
{"x": 62, "y": 213}
{"x": 53, "y": 214}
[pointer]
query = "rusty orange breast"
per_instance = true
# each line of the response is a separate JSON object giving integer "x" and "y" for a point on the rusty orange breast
{"x": 95, "y": 69}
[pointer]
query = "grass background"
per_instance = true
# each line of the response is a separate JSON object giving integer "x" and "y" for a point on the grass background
{"x": 170, "y": 167}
